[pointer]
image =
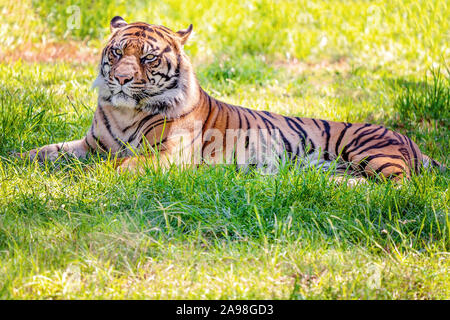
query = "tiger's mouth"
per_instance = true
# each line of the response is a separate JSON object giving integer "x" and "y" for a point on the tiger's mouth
{"x": 122, "y": 99}
{"x": 123, "y": 95}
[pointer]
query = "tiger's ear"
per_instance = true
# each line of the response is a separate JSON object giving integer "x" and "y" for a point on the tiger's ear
{"x": 184, "y": 34}
{"x": 117, "y": 23}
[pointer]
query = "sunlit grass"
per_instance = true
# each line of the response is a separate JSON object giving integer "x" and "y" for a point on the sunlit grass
{"x": 78, "y": 229}
{"x": 406, "y": 36}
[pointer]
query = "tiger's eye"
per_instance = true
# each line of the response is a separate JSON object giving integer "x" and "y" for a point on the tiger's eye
{"x": 149, "y": 58}
{"x": 117, "y": 52}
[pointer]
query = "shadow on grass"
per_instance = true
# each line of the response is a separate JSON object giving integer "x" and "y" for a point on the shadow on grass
{"x": 422, "y": 112}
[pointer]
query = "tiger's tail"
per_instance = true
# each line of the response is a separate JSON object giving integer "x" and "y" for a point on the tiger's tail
{"x": 428, "y": 163}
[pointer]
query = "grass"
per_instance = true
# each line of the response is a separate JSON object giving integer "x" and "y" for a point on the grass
{"x": 78, "y": 229}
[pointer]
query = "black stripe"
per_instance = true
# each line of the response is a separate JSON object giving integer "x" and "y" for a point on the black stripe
{"x": 154, "y": 125}
{"x": 363, "y": 134}
{"x": 251, "y": 112}
{"x": 286, "y": 142}
{"x": 416, "y": 160}
{"x": 399, "y": 137}
{"x": 269, "y": 114}
{"x": 210, "y": 102}
{"x": 387, "y": 165}
{"x": 326, "y": 125}
{"x": 266, "y": 122}
{"x": 435, "y": 163}
{"x": 169, "y": 65}
{"x": 406, "y": 155}
{"x": 228, "y": 118}
{"x": 315, "y": 122}
{"x": 165, "y": 29}
{"x": 129, "y": 34}
{"x": 363, "y": 143}
{"x": 298, "y": 129}
{"x": 313, "y": 146}
{"x": 365, "y": 162}
{"x": 383, "y": 134}
{"x": 151, "y": 127}
{"x": 346, "y": 152}
{"x": 149, "y": 37}
{"x": 341, "y": 136}
{"x": 130, "y": 126}
{"x": 246, "y": 120}
{"x": 209, "y": 112}
{"x": 381, "y": 145}
{"x": 217, "y": 104}
{"x": 108, "y": 126}
{"x": 99, "y": 142}
{"x": 147, "y": 28}
{"x": 299, "y": 119}
{"x": 382, "y": 155}
{"x": 158, "y": 33}
{"x": 240, "y": 117}
{"x": 362, "y": 127}
{"x": 141, "y": 124}
{"x": 88, "y": 144}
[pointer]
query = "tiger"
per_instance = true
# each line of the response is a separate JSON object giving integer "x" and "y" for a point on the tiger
{"x": 149, "y": 98}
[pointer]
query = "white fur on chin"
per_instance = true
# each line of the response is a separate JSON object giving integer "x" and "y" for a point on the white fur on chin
{"x": 121, "y": 101}
{"x": 118, "y": 101}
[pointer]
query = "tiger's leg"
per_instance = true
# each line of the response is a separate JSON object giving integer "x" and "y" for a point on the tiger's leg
{"x": 390, "y": 165}
{"x": 77, "y": 149}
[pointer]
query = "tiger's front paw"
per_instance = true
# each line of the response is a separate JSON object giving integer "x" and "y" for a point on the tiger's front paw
{"x": 49, "y": 153}
{"x": 29, "y": 155}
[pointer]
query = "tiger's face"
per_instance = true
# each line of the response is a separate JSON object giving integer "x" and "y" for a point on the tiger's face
{"x": 142, "y": 66}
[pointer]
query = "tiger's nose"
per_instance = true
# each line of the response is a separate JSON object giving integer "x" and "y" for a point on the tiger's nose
{"x": 123, "y": 79}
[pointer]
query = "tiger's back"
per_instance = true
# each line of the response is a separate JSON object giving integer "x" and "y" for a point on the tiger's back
{"x": 363, "y": 149}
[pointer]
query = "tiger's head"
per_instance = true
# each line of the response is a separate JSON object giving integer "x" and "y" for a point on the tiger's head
{"x": 144, "y": 67}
